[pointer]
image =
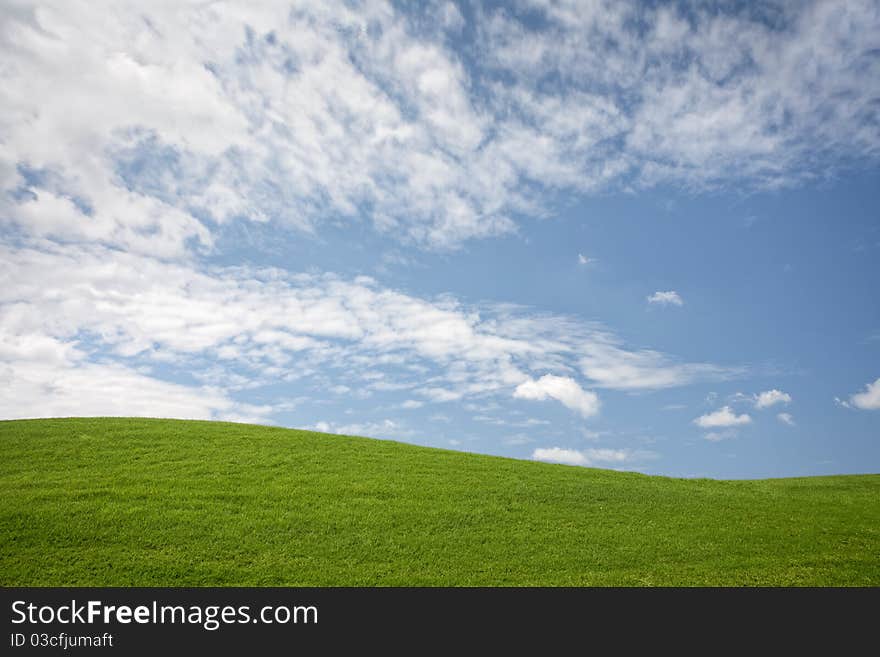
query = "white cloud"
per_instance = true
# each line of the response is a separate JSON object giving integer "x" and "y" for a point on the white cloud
{"x": 518, "y": 440}
{"x": 264, "y": 326}
{"x": 718, "y": 436}
{"x": 384, "y": 429}
{"x": 785, "y": 418}
{"x": 158, "y": 118}
{"x": 441, "y": 394}
{"x": 770, "y": 398}
{"x": 246, "y": 98}
{"x": 670, "y": 298}
{"x": 563, "y": 389}
{"x": 412, "y": 403}
{"x": 589, "y": 434}
{"x": 869, "y": 400}
{"x": 590, "y": 457}
{"x": 608, "y": 365}
{"x": 739, "y": 397}
{"x": 60, "y": 384}
{"x": 132, "y": 141}
{"x": 560, "y": 455}
{"x": 504, "y": 422}
{"x": 721, "y": 95}
{"x": 723, "y": 417}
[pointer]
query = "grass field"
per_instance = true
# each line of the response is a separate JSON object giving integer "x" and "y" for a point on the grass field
{"x": 165, "y": 503}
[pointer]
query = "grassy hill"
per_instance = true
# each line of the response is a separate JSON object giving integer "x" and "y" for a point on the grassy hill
{"x": 162, "y": 502}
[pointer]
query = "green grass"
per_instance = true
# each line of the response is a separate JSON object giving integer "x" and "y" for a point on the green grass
{"x": 119, "y": 502}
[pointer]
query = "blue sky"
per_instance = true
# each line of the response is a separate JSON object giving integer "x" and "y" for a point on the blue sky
{"x": 641, "y": 236}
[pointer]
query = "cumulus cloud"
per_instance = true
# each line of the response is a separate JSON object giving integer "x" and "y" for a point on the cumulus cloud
{"x": 670, "y": 298}
{"x": 723, "y": 417}
{"x": 869, "y": 399}
{"x": 563, "y": 389}
{"x": 785, "y": 418}
{"x": 770, "y": 398}
{"x": 590, "y": 457}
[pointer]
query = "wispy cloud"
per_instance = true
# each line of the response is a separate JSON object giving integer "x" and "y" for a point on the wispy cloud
{"x": 786, "y": 418}
{"x": 721, "y": 95}
{"x": 601, "y": 456}
{"x": 718, "y": 436}
{"x": 383, "y": 429}
{"x": 263, "y": 326}
{"x": 605, "y": 362}
{"x": 135, "y": 142}
{"x": 723, "y": 417}
{"x": 669, "y": 298}
{"x": 181, "y": 118}
{"x": 47, "y": 378}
